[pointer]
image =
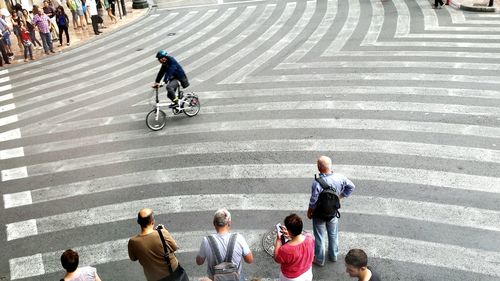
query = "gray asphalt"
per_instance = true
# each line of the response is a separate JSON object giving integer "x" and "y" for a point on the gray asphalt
{"x": 395, "y": 85}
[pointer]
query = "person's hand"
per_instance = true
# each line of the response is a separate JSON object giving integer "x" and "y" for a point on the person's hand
{"x": 155, "y": 85}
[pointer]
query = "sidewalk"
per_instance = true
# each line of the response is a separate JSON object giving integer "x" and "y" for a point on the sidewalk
{"x": 79, "y": 36}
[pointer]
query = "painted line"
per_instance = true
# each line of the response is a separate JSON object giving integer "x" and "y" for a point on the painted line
{"x": 4, "y": 79}
{"x": 358, "y": 76}
{"x": 5, "y": 88}
{"x": 247, "y": 31}
{"x": 377, "y": 20}
{"x": 251, "y": 47}
{"x": 209, "y": 5}
{"x": 347, "y": 30}
{"x": 6, "y": 97}
{"x": 454, "y": 181}
{"x": 284, "y": 41}
{"x": 417, "y": 53}
{"x": 4, "y": 71}
{"x": 334, "y": 145}
{"x": 7, "y": 107}
{"x": 194, "y": 51}
{"x": 11, "y": 153}
{"x": 253, "y": 125}
{"x": 406, "y": 209}
{"x": 355, "y": 105}
{"x": 10, "y": 135}
{"x": 8, "y": 120}
{"x": 402, "y": 249}
{"x": 390, "y": 64}
{"x": 17, "y": 199}
{"x": 317, "y": 35}
{"x": 14, "y": 173}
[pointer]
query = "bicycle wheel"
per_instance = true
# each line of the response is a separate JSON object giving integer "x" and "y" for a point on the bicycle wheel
{"x": 191, "y": 106}
{"x": 156, "y": 121}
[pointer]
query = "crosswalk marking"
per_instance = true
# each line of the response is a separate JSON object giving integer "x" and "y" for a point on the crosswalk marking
{"x": 427, "y": 212}
{"x": 336, "y": 145}
{"x": 14, "y": 173}
{"x": 11, "y": 153}
{"x": 378, "y": 246}
{"x": 251, "y": 171}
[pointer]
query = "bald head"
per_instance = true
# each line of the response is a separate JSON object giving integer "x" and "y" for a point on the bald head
{"x": 145, "y": 217}
{"x": 324, "y": 164}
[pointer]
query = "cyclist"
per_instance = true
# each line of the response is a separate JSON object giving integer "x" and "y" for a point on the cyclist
{"x": 172, "y": 73}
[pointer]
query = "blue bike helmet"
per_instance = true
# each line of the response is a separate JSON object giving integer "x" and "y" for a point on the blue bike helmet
{"x": 161, "y": 54}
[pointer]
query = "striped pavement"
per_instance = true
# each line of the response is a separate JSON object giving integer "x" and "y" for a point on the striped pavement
{"x": 404, "y": 98}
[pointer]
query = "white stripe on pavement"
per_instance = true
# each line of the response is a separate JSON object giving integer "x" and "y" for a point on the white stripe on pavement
{"x": 14, "y": 173}
{"x": 376, "y": 246}
{"x": 5, "y": 88}
{"x": 10, "y": 135}
{"x": 347, "y": 30}
{"x": 316, "y": 35}
{"x": 251, "y": 47}
{"x": 284, "y": 41}
{"x": 427, "y": 211}
{"x": 11, "y": 153}
{"x": 8, "y": 120}
{"x": 390, "y": 64}
{"x": 7, "y": 107}
{"x": 334, "y": 145}
{"x": 350, "y": 124}
{"x": 6, "y": 97}
{"x": 359, "y": 76}
{"x": 471, "y": 183}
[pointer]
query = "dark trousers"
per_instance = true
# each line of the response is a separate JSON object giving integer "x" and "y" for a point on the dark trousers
{"x": 173, "y": 84}
{"x": 5, "y": 56}
{"x": 63, "y": 28}
{"x": 440, "y": 2}
{"x": 95, "y": 26}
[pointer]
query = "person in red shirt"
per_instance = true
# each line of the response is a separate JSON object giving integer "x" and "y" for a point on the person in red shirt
{"x": 26, "y": 40}
{"x": 296, "y": 255}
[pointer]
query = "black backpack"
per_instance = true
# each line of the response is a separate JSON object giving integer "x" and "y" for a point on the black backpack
{"x": 328, "y": 204}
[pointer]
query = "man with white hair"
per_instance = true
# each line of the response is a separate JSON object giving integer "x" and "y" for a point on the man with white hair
{"x": 222, "y": 224}
{"x": 327, "y": 225}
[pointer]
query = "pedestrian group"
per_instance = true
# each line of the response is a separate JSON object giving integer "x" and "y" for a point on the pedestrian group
{"x": 224, "y": 252}
{"x": 52, "y": 23}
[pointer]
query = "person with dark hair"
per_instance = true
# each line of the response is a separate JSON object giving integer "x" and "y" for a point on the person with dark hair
{"x": 31, "y": 28}
{"x": 69, "y": 261}
{"x": 356, "y": 265}
{"x": 296, "y": 255}
{"x": 147, "y": 248}
{"x": 220, "y": 242}
{"x": 63, "y": 24}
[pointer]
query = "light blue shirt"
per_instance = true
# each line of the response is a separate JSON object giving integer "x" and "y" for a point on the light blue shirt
{"x": 340, "y": 183}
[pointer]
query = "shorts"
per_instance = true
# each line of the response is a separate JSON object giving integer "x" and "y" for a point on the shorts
{"x": 84, "y": 9}
{"x": 79, "y": 11}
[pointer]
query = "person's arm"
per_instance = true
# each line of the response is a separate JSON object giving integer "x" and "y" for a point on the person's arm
{"x": 161, "y": 73}
{"x": 200, "y": 258}
{"x": 247, "y": 254}
{"x": 248, "y": 258}
{"x": 348, "y": 188}
{"x": 170, "y": 240}
{"x": 315, "y": 191}
{"x": 131, "y": 251}
{"x": 97, "y": 277}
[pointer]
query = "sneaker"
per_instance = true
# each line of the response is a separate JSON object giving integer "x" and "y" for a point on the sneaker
{"x": 316, "y": 262}
{"x": 52, "y": 51}
{"x": 47, "y": 53}
{"x": 60, "y": 45}
{"x": 25, "y": 60}
{"x": 67, "y": 44}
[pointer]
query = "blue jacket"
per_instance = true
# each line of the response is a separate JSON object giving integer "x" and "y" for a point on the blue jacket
{"x": 169, "y": 70}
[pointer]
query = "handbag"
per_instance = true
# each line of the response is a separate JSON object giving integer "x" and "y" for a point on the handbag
{"x": 179, "y": 274}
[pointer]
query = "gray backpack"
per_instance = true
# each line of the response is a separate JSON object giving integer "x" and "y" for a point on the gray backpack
{"x": 224, "y": 270}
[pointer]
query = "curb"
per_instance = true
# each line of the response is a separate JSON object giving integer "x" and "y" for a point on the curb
{"x": 482, "y": 9}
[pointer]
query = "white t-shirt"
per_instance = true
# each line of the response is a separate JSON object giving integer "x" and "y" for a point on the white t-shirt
{"x": 241, "y": 249}
{"x": 92, "y": 6}
{"x": 85, "y": 273}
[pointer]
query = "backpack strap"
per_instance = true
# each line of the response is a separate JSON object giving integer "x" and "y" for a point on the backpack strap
{"x": 322, "y": 182}
{"x": 215, "y": 250}
{"x": 230, "y": 248}
{"x": 165, "y": 249}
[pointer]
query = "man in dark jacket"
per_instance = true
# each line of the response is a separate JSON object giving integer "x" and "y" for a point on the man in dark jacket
{"x": 172, "y": 74}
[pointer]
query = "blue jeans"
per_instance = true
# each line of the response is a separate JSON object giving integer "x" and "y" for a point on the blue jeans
{"x": 322, "y": 228}
{"x": 46, "y": 41}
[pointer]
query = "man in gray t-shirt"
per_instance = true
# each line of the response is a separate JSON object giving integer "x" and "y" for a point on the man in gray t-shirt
{"x": 222, "y": 224}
